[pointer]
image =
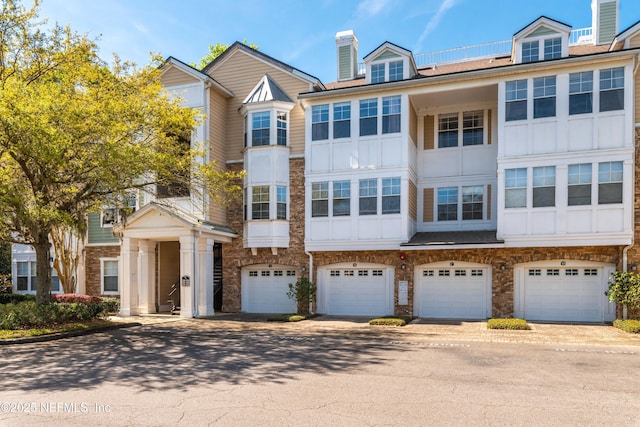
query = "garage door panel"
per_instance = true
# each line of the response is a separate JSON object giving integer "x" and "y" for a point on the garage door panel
{"x": 265, "y": 291}
{"x": 449, "y": 293}
{"x": 358, "y": 292}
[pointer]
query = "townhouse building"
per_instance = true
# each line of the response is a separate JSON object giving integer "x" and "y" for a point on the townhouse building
{"x": 426, "y": 185}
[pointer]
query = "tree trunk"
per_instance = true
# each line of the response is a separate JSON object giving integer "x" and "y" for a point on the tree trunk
{"x": 43, "y": 268}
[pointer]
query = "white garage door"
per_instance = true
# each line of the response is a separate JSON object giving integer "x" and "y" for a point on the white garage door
{"x": 564, "y": 294}
{"x": 357, "y": 292}
{"x": 453, "y": 293}
{"x": 264, "y": 289}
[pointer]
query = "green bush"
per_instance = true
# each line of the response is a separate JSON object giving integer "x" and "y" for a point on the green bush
{"x": 624, "y": 288}
{"x": 631, "y": 326}
{"x": 111, "y": 304}
{"x": 390, "y": 321}
{"x": 5, "y": 284}
{"x": 508, "y": 323}
{"x": 288, "y": 318}
{"x": 16, "y": 298}
{"x": 28, "y": 314}
{"x": 303, "y": 292}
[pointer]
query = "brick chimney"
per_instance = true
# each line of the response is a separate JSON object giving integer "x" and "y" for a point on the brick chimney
{"x": 346, "y": 55}
{"x": 605, "y": 18}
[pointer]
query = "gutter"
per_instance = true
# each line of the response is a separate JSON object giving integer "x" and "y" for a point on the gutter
{"x": 310, "y": 255}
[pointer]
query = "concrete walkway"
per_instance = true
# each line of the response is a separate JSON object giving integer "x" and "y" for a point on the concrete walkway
{"x": 419, "y": 330}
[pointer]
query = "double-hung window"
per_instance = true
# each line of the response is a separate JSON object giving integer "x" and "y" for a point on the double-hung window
{"x": 472, "y": 202}
{"x": 22, "y": 273}
{"x": 109, "y": 276}
{"x": 530, "y": 51}
{"x": 319, "y": 199}
{"x": 544, "y": 186}
{"x": 609, "y": 183}
{"x": 368, "y": 117}
{"x": 544, "y": 97}
{"x": 281, "y": 117}
{"x": 472, "y": 127}
{"x": 281, "y": 202}
{"x": 516, "y": 100}
{"x": 579, "y": 184}
{"x": 395, "y": 71}
{"x": 342, "y": 120}
{"x": 390, "y": 195}
{"x": 581, "y": 92}
{"x": 341, "y": 198}
{"x": 391, "y": 114}
{"x": 368, "y": 197}
{"x": 320, "y": 122}
{"x": 377, "y": 73}
{"x": 260, "y": 202}
{"x": 612, "y": 89}
{"x": 448, "y": 130}
{"x": 260, "y": 128}
{"x": 553, "y": 48}
{"x": 515, "y": 184}
{"x": 448, "y": 204}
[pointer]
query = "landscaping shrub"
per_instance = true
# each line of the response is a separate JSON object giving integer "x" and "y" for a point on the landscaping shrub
{"x": 77, "y": 298}
{"x": 16, "y": 298}
{"x": 111, "y": 304}
{"x": 5, "y": 284}
{"x": 28, "y": 314}
{"x": 508, "y": 323}
{"x": 631, "y": 326}
{"x": 390, "y": 321}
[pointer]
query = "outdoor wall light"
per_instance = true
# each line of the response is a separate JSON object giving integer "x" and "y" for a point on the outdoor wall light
{"x": 563, "y": 263}
{"x": 634, "y": 267}
{"x": 403, "y": 266}
{"x": 503, "y": 267}
{"x": 355, "y": 265}
{"x": 270, "y": 265}
{"x": 451, "y": 264}
{"x": 303, "y": 268}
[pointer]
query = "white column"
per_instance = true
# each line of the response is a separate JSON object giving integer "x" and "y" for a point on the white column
{"x": 204, "y": 291}
{"x": 187, "y": 275}
{"x": 129, "y": 275}
{"x": 146, "y": 276}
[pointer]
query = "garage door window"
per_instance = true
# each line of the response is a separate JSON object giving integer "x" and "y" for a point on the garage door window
{"x": 444, "y": 273}
{"x": 428, "y": 273}
{"x": 477, "y": 273}
{"x": 590, "y": 272}
{"x": 553, "y": 272}
{"x": 571, "y": 272}
{"x": 535, "y": 272}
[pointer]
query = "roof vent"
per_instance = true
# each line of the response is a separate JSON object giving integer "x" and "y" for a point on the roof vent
{"x": 346, "y": 55}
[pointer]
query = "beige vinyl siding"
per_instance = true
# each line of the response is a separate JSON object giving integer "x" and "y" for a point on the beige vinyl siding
{"x": 175, "y": 77}
{"x": 634, "y": 41}
{"x": 413, "y": 201}
{"x": 489, "y": 201}
{"x": 413, "y": 125}
{"x": 427, "y": 205}
{"x": 217, "y": 120}
{"x": 239, "y": 73}
{"x": 428, "y": 132}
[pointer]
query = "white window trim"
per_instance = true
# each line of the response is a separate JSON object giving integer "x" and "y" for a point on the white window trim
{"x": 102, "y": 291}
{"x": 485, "y": 128}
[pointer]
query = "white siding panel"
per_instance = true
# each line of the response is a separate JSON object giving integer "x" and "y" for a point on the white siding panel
{"x": 368, "y": 152}
{"x": 544, "y": 137}
{"x": 515, "y": 140}
{"x": 442, "y": 163}
{"x": 579, "y": 221}
{"x": 392, "y": 228}
{"x": 543, "y": 223}
{"x": 391, "y": 152}
{"x": 610, "y": 220}
{"x": 260, "y": 166}
{"x": 320, "y": 158}
{"x": 580, "y": 134}
{"x": 611, "y": 132}
{"x": 515, "y": 223}
{"x": 368, "y": 228}
{"x": 342, "y": 155}
{"x": 479, "y": 161}
{"x": 320, "y": 229}
{"x": 341, "y": 229}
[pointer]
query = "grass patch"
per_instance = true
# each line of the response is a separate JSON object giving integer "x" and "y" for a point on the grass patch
{"x": 390, "y": 321}
{"x": 54, "y": 329}
{"x": 508, "y": 323}
{"x": 630, "y": 326}
{"x": 288, "y": 318}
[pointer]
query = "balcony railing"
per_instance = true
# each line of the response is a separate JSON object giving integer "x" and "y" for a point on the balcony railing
{"x": 481, "y": 51}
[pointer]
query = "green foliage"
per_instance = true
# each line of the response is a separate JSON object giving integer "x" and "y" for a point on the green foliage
{"x": 303, "y": 292}
{"x": 508, "y": 323}
{"x": 5, "y": 284}
{"x": 630, "y": 326}
{"x": 28, "y": 314}
{"x": 16, "y": 298}
{"x": 111, "y": 304}
{"x": 5, "y": 259}
{"x": 390, "y": 321}
{"x": 216, "y": 50}
{"x": 624, "y": 288}
{"x": 287, "y": 318}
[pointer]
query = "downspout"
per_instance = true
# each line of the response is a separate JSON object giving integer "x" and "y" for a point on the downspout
{"x": 310, "y": 255}
{"x": 194, "y": 306}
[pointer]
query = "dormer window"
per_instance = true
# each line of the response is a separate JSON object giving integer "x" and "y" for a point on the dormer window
{"x": 377, "y": 73}
{"x": 553, "y": 48}
{"x": 389, "y": 63}
{"x": 530, "y": 51}
{"x": 395, "y": 71}
{"x": 542, "y": 40}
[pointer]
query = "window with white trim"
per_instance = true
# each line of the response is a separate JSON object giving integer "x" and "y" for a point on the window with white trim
{"x": 390, "y": 195}
{"x": 473, "y": 128}
{"x": 391, "y": 114}
{"x": 581, "y": 92}
{"x": 448, "y": 130}
{"x": 579, "y": 184}
{"x": 544, "y": 186}
{"x": 530, "y": 51}
{"x": 281, "y": 202}
{"x": 368, "y": 200}
{"x": 448, "y": 204}
{"x": 260, "y": 202}
{"x": 612, "y": 89}
{"x": 553, "y": 48}
{"x": 320, "y": 199}
{"x": 377, "y": 73}
{"x": 610, "y": 183}
{"x": 368, "y": 117}
{"x": 516, "y": 100}
{"x": 395, "y": 70}
{"x": 341, "y": 120}
{"x": 515, "y": 188}
{"x": 472, "y": 202}
{"x": 281, "y": 118}
{"x": 341, "y": 198}
{"x": 544, "y": 97}
{"x": 109, "y": 276}
{"x": 260, "y": 128}
{"x": 319, "y": 122}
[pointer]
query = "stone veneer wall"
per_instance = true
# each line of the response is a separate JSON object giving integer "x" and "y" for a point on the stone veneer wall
{"x": 633, "y": 255}
{"x": 234, "y": 256}
{"x": 92, "y": 266}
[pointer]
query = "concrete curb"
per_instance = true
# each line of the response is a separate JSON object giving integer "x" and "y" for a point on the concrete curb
{"x": 61, "y": 335}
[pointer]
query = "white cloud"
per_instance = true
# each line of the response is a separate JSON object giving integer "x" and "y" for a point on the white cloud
{"x": 434, "y": 21}
{"x": 368, "y": 8}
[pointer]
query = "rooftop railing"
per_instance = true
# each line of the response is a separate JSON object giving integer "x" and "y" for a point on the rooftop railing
{"x": 481, "y": 51}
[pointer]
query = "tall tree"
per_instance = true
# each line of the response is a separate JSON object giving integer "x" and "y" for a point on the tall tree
{"x": 76, "y": 133}
{"x": 216, "y": 50}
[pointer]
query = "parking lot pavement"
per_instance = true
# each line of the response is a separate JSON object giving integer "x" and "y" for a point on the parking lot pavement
{"x": 423, "y": 329}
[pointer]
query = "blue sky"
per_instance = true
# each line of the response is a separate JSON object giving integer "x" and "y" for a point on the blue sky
{"x": 301, "y": 32}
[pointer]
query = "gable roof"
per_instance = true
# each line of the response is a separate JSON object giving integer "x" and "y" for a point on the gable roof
{"x": 387, "y": 45}
{"x": 267, "y": 90}
{"x": 172, "y": 61}
{"x": 543, "y": 20}
{"x": 630, "y": 31}
{"x": 264, "y": 57}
